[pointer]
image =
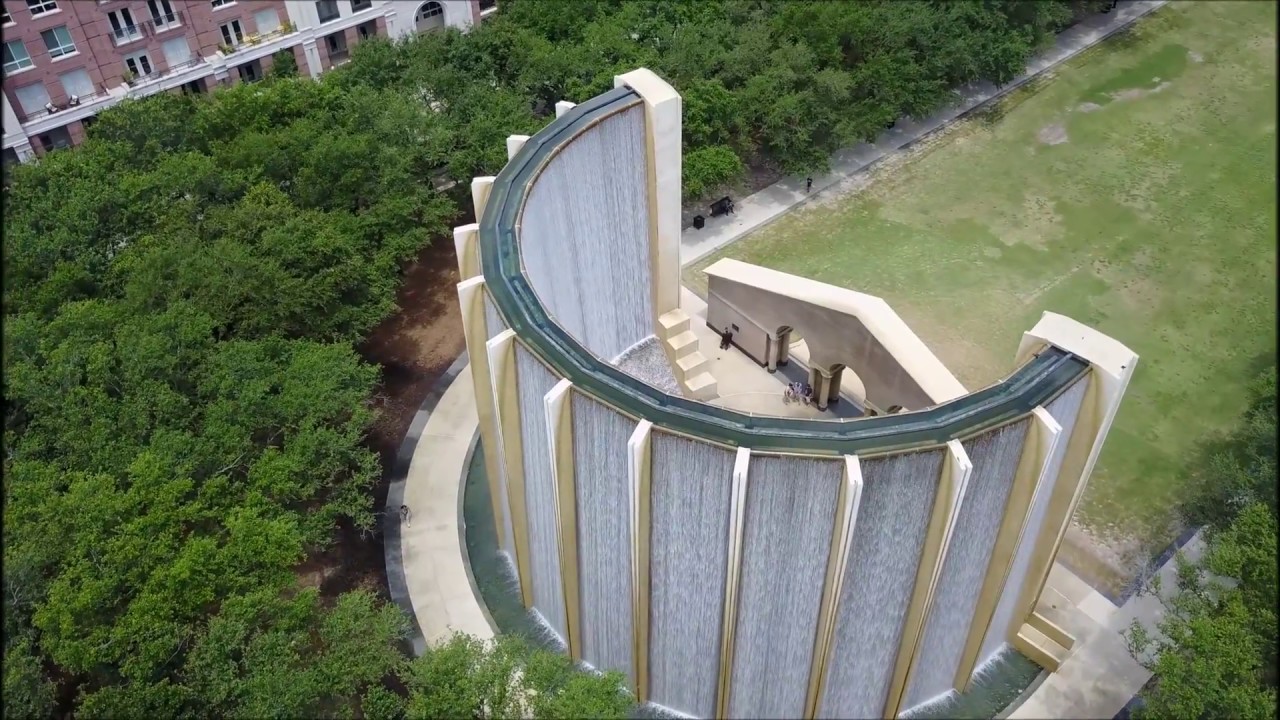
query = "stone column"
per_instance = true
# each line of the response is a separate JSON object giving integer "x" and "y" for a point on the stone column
{"x": 833, "y": 396}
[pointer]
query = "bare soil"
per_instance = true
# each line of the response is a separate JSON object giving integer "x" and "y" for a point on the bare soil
{"x": 413, "y": 348}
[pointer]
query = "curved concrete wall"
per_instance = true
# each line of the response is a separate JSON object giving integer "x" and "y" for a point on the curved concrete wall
{"x": 732, "y": 565}
{"x": 585, "y": 236}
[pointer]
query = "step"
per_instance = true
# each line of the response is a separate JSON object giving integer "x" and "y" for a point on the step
{"x": 673, "y": 323}
{"x": 1053, "y": 617}
{"x": 702, "y": 387}
{"x": 1039, "y": 648}
{"x": 1051, "y": 630}
{"x": 692, "y": 364}
{"x": 682, "y": 344}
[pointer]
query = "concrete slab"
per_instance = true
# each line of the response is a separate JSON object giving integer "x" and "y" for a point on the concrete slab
{"x": 438, "y": 581}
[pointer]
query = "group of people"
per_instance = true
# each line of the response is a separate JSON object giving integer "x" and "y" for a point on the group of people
{"x": 802, "y": 390}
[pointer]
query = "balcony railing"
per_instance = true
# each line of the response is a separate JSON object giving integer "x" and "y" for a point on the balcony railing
{"x": 157, "y": 74}
{"x": 251, "y": 40}
{"x": 126, "y": 34}
{"x": 46, "y": 111}
{"x": 168, "y": 21}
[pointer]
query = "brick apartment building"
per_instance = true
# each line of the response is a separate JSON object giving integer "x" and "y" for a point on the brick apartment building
{"x": 67, "y": 60}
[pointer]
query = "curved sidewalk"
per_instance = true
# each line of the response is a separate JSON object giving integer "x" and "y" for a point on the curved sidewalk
{"x": 426, "y": 560}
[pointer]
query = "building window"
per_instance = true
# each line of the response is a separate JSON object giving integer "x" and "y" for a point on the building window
{"x": 55, "y": 139}
{"x": 250, "y": 72}
{"x": 488, "y": 5}
{"x": 32, "y": 98}
{"x": 195, "y": 87}
{"x": 5, "y": 18}
{"x": 221, "y": 3}
{"x": 162, "y": 14}
{"x": 267, "y": 21}
{"x": 16, "y": 57}
{"x": 366, "y": 30}
{"x": 40, "y": 7}
{"x": 336, "y": 44}
{"x": 139, "y": 64}
{"x": 176, "y": 52}
{"x": 358, "y": 5}
{"x": 123, "y": 29}
{"x": 77, "y": 84}
{"x": 430, "y": 16}
{"x": 328, "y": 10}
{"x": 59, "y": 42}
{"x": 232, "y": 35}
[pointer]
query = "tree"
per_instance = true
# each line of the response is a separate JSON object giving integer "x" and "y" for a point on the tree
{"x": 465, "y": 677}
{"x": 1214, "y": 654}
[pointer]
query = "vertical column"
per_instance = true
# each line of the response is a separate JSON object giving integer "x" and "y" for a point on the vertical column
{"x": 846, "y": 517}
{"x": 506, "y": 401}
{"x": 312, "y": 54}
{"x": 563, "y": 107}
{"x": 821, "y": 387}
{"x": 560, "y": 430}
{"x": 640, "y": 472}
{"x": 1112, "y": 366}
{"x": 1033, "y": 465}
{"x": 471, "y": 300}
{"x": 466, "y": 245}
{"x": 833, "y": 392}
{"x": 663, "y": 141}
{"x": 737, "y": 515}
{"x": 951, "y": 486}
{"x": 514, "y": 143}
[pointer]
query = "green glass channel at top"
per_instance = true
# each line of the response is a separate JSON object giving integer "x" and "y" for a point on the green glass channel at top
{"x": 1034, "y": 383}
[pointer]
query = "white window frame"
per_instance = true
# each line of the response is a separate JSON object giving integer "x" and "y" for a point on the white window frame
{"x": 225, "y": 30}
{"x": 61, "y": 50}
{"x": 5, "y": 18}
{"x": 354, "y": 9}
{"x": 40, "y": 107}
{"x": 337, "y": 9}
{"x": 159, "y": 21}
{"x": 119, "y": 16}
{"x": 219, "y": 4}
{"x": 87, "y": 91}
{"x": 17, "y": 65}
{"x": 137, "y": 58}
{"x": 40, "y": 8}
{"x": 257, "y": 22}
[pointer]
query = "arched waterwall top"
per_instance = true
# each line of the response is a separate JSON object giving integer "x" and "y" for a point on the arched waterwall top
{"x": 1036, "y": 382}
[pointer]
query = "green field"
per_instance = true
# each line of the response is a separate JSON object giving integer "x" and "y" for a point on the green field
{"x": 1133, "y": 190}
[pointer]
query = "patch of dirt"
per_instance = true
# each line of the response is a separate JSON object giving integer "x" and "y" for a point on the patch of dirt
{"x": 1053, "y": 134}
{"x": 1194, "y": 56}
{"x": 1139, "y": 93}
{"x": 1088, "y": 107}
{"x": 413, "y": 347}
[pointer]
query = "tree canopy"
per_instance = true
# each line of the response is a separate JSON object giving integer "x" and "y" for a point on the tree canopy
{"x": 1214, "y": 653}
{"x": 185, "y": 412}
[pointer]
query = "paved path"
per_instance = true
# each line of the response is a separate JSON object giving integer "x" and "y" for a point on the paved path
{"x": 771, "y": 203}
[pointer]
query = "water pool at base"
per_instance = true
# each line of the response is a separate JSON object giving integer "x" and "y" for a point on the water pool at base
{"x": 996, "y": 686}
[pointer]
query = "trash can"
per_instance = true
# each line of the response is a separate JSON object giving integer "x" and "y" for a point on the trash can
{"x": 699, "y": 222}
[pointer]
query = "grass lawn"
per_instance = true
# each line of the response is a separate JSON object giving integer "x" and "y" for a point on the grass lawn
{"x": 1133, "y": 191}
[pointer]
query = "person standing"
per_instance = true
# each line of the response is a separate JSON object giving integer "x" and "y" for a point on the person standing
{"x": 404, "y": 515}
{"x": 808, "y": 184}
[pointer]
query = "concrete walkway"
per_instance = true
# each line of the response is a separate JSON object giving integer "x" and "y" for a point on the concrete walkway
{"x": 771, "y": 203}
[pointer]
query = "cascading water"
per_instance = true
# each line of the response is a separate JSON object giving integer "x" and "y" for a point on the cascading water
{"x": 535, "y": 382}
{"x": 888, "y": 537}
{"x": 604, "y": 534}
{"x": 790, "y": 515}
{"x": 691, "y": 489}
{"x": 995, "y": 456}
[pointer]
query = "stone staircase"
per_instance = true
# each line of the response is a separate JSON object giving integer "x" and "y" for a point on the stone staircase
{"x": 1042, "y": 638}
{"x": 687, "y": 361}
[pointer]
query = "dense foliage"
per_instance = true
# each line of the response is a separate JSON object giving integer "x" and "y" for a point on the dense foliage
{"x": 185, "y": 412}
{"x": 1214, "y": 653}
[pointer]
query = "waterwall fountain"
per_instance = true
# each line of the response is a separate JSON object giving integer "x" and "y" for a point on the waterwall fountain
{"x": 742, "y": 565}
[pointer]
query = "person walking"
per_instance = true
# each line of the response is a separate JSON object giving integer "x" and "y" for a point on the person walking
{"x": 404, "y": 515}
{"x": 726, "y": 338}
{"x": 808, "y": 184}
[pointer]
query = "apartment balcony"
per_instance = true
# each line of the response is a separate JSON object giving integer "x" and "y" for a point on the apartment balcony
{"x": 164, "y": 23}
{"x": 257, "y": 41}
{"x": 127, "y": 34}
{"x": 141, "y": 85}
{"x": 50, "y": 109}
